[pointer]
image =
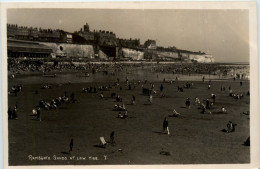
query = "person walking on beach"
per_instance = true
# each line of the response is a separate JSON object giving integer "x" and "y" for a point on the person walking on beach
{"x": 187, "y": 103}
{"x": 150, "y": 99}
{"x": 133, "y": 99}
{"x": 165, "y": 126}
{"x": 10, "y": 112}
{"x": 213, "y": 96}
{"x": 161, "y": 88}
{"x": 72, "y": 96}
{"x": 39, "y": 114}
{"x": 14, "y": 114}
{"x": 112, "y": 139}
{"x": 229, "y": 127}
{"x": 207, "y": 104}
{"x": 71, "y": 145}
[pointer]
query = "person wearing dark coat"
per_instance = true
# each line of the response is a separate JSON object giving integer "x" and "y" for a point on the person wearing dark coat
{"x": 161, "y": 88}
{"x": 39, "y": 114}
{"x": 10, "y": 112}
{"x": 71, "y": 145}
{"x": 207, "y": 104}
{"x": 112, "y": 139}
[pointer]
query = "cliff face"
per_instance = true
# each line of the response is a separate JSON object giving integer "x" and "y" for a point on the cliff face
{"x": 154, "y": 54}
{"x": 71, "y": 50}
{"x": 76, "y": 50}
{"x": 165, "y": 55}
{"x": 169, "y": 55}
{"x": 202, "y": 58}
{"x": 133, "y": 54}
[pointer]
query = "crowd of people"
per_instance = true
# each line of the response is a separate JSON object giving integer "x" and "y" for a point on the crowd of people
{"x": 211, "y": 69}
{"x": 19, "y": 66}
{"x": 149, "y": 91}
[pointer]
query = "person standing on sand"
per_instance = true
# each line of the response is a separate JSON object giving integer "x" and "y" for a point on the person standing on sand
{"x": 10, "y": 112}
{"x": 112, "y": 139}
{"x": 229, "y": 127}
{"x": 150, "y": 99}
{"x": 39, "y": 114}
{"x": 161, "y": 88}
{"x": 71, "y": 145}
{"x": 187, "y": 103}
{"x": 14, "y": 114}
{"x": 133, "y": 99}
{"x": 165, "y": 126}
{"x": 72, "y": 96}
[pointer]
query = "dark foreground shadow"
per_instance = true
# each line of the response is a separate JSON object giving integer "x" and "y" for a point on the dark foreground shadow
{"x": 174, "y": 116}
{"x": 219, "y": 112}
{"x": 35, "y": 119}
{"x": 132, "y": 117}
{"x": 224, "y": 130}
{"x": 247, "y": 142}
{"x": 65, "y": 152}
{"x": 166, "y": 153}
{"x": 158, "y": 132}
{"x": 99, "y": 146}
{"x": 33, "y": 115}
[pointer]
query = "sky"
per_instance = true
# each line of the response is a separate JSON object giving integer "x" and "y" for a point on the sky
{"x": 221, "y": 33}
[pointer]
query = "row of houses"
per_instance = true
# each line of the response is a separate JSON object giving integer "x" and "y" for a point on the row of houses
{"x": 35, "y": 34}
{"x": 36, "y": 42}
{"x": 84, "y": 36}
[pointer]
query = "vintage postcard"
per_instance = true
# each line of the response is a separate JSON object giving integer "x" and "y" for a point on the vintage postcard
{"x": 130, "y": 84}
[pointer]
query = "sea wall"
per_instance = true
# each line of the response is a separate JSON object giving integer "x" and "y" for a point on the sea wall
{"x": 71, "y": 50}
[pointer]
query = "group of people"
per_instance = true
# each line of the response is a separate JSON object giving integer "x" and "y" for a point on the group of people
{"x": 122, "y": 115}
{"x": 53, "y": 104}
{"x": 187, "y": 68}
{"x": 237, "y": 96}
{"x": 89, "y": 89}
{"x": 46, "y": 86}
{"x": 188, "y": 85}
{"x": 230, "y": 127}
{"x": 119, "y": 107}
{"x": 37, "y": 113}
{"x": 12, "y": 113}
{"x": 16, "y": 89}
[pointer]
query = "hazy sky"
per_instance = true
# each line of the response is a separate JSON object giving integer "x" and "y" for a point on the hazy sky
{"x": 222, "y": 33}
